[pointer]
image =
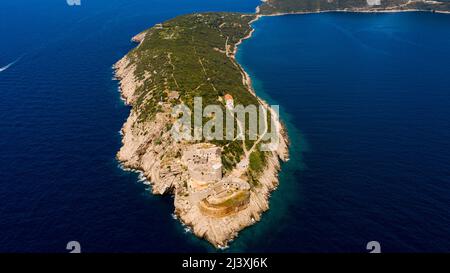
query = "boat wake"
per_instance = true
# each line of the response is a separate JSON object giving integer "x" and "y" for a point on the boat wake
{"x": 9, "y": 65}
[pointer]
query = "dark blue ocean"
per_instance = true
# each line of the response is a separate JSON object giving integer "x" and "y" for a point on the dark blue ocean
{"x": 365, "y": 98}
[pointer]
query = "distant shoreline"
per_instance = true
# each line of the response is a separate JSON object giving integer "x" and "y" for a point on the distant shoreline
{"x": 141, "y": 151}
{"x": 351, "y": 11}
{"x": 286, "y": 7}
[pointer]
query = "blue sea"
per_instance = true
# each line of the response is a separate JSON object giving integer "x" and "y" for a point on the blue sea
{"x": 365, "y": 97}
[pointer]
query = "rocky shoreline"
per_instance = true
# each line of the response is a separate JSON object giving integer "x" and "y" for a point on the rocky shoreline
{"x": 148, "y": 147}
{"x": 141, "y": 152}
{"x": 350, "y": 11}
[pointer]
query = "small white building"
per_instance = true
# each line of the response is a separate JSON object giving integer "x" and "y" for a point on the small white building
{"x": 229, "y": 101}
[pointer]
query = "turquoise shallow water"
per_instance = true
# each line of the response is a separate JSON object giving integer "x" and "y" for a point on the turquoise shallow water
{"x": 366, "y": 100}
{"x": 364, "y": 96}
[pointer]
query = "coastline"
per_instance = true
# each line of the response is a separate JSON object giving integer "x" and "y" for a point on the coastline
{"x": 140, "y": 153}
{"x": 351, "y": 11}
{"x": 218, "y": 231}
{"x": 283, "y": 136}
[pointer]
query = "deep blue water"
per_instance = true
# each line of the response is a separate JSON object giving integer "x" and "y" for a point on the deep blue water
{"x": 60, "y": 116}
{"x": 365, "y": 98}
{"x": 367, "y": 101}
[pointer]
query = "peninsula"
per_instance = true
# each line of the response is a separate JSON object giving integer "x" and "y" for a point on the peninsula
{"x": 220, "y": 186}
{"x": 280, "y": 7}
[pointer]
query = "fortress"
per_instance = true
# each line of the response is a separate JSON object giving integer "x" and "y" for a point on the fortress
{"x": 215, "y": 195}
{"x": 204, "y": 164}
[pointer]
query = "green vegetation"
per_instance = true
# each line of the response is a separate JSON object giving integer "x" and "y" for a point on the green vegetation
{"x": 291, "y": 6}
{"x": 256, "y": 166}
{"x": 158, "y": 141}
{"x": 191, "y": 54}
{"x": 231, "y": 154}
{"x": 257, "y": 160}
{"x": 187, "y": 54}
